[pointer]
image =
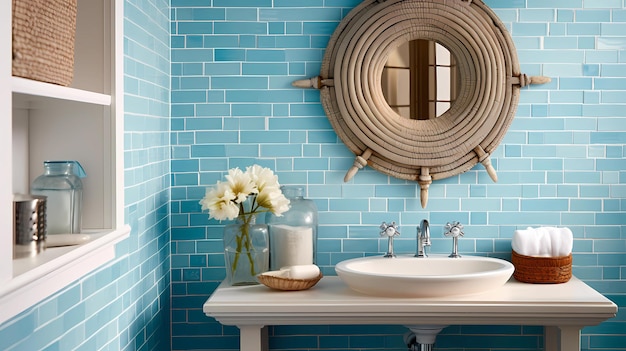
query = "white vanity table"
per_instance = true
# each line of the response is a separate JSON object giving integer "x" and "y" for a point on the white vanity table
{"x": 564, "y": 309}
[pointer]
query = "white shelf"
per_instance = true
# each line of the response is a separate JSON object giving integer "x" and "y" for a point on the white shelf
{"x": 40, "y": 90}
{"x": 42, "y": 275}
{"x": 53, "y": 258}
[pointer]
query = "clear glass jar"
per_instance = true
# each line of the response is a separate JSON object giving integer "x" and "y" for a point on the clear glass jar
{"x": 293, "y": 235}
{"x": 246, "y": 250}
{"x": 61, "y": 183}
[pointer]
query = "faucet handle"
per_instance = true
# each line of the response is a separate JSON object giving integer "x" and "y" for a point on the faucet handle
{"x": 454, "y": 229}
{"x": 389, "y": 230}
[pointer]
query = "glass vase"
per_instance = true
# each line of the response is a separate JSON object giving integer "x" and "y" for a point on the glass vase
{"x": 246, "y": 250}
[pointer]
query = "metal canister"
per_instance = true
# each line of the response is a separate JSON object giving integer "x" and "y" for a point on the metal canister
{"x": 29, "y": 225}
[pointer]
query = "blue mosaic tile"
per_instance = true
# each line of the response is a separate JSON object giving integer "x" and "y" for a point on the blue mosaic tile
{"x": 560, "y": 162}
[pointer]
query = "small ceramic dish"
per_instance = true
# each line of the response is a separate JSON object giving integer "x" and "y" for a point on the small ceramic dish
{"x": 287, "y": 284}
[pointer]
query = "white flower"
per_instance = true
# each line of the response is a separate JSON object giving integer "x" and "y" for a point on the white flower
{"x": 226, "y": 199}
{"x": 241, "y": 184}
{"x": 273, "y": 199}
{"x": 263, "y": 177}
{"x": 219, "y": 201}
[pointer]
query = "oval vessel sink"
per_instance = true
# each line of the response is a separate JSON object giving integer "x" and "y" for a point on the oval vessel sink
{"x": 408, "y": 276}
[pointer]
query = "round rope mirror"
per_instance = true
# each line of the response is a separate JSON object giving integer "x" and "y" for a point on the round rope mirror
{"x": 488, "y": 82}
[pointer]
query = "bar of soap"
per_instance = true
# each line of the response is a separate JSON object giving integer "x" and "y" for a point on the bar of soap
{"x": 305, "y": 271}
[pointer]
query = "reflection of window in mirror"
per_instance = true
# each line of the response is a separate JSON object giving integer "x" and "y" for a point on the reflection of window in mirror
{"x": 420, "y": 79}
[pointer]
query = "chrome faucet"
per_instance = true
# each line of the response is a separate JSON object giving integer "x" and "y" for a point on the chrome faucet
{"x": 454, "y": 230}
{"x": 390, "y": 231}
{"x": 423, "y": 238}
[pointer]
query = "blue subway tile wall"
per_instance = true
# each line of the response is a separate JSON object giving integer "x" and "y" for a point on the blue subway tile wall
{"x": 561, "y": 163}
{"x": 126, "y": 304}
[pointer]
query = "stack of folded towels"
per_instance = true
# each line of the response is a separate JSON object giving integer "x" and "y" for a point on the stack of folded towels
{"x": 543, "y": 242}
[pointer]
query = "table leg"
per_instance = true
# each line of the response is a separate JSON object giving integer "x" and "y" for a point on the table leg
{"x": 550, "y": 338}
{"x": 253, "y": 338}
{"x": 570, "y": 338}
{"x": 565, "y": 338}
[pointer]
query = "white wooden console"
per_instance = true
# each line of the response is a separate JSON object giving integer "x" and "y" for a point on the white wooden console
{"x": 564, "y": 309}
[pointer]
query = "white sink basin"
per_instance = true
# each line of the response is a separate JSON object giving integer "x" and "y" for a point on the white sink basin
{"x": 408, "y": 276}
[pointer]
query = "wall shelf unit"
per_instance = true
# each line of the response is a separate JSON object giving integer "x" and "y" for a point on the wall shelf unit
{"x": 82, "y": 122}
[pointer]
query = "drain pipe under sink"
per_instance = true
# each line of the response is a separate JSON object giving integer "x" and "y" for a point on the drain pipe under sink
{"x": 422, "y": 337}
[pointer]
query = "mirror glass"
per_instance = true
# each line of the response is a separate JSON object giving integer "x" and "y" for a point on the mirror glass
{"x": 420, "y": 79}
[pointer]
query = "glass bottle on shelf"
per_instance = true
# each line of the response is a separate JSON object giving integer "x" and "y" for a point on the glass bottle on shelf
{"x": 293, "y": 235}
{"x": 61, "y": 183}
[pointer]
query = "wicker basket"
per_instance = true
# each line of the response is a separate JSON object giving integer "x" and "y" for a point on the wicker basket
{"x": 542, "y": 270}
{"x": 44, "y": 33}
{"x": 287, "y": 284}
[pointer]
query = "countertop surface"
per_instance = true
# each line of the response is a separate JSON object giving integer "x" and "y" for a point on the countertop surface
{"x": 331, "y": 301}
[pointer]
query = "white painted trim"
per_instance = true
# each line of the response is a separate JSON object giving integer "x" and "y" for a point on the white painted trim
{"x": 118, "y": 107}
{"x": 6, "y": 141}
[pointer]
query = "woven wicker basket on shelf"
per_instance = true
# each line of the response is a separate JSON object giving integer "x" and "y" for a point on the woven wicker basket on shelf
{"x": 44, "y": 33}
{"x": 287, "y": 284}
{"x": 542, "y": 270}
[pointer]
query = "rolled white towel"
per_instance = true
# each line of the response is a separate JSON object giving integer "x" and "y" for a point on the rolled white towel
{"x": 543, "y": 242}
{"x": 555, "y": 239}
{"x": 562, "y": 241}
{"x": 518, "y": 244}
{"x": 526, "y": 242}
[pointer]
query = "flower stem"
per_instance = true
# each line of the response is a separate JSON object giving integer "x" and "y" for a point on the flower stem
{"x": 237, "y": 252}
{"x": 244, "y": 241}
